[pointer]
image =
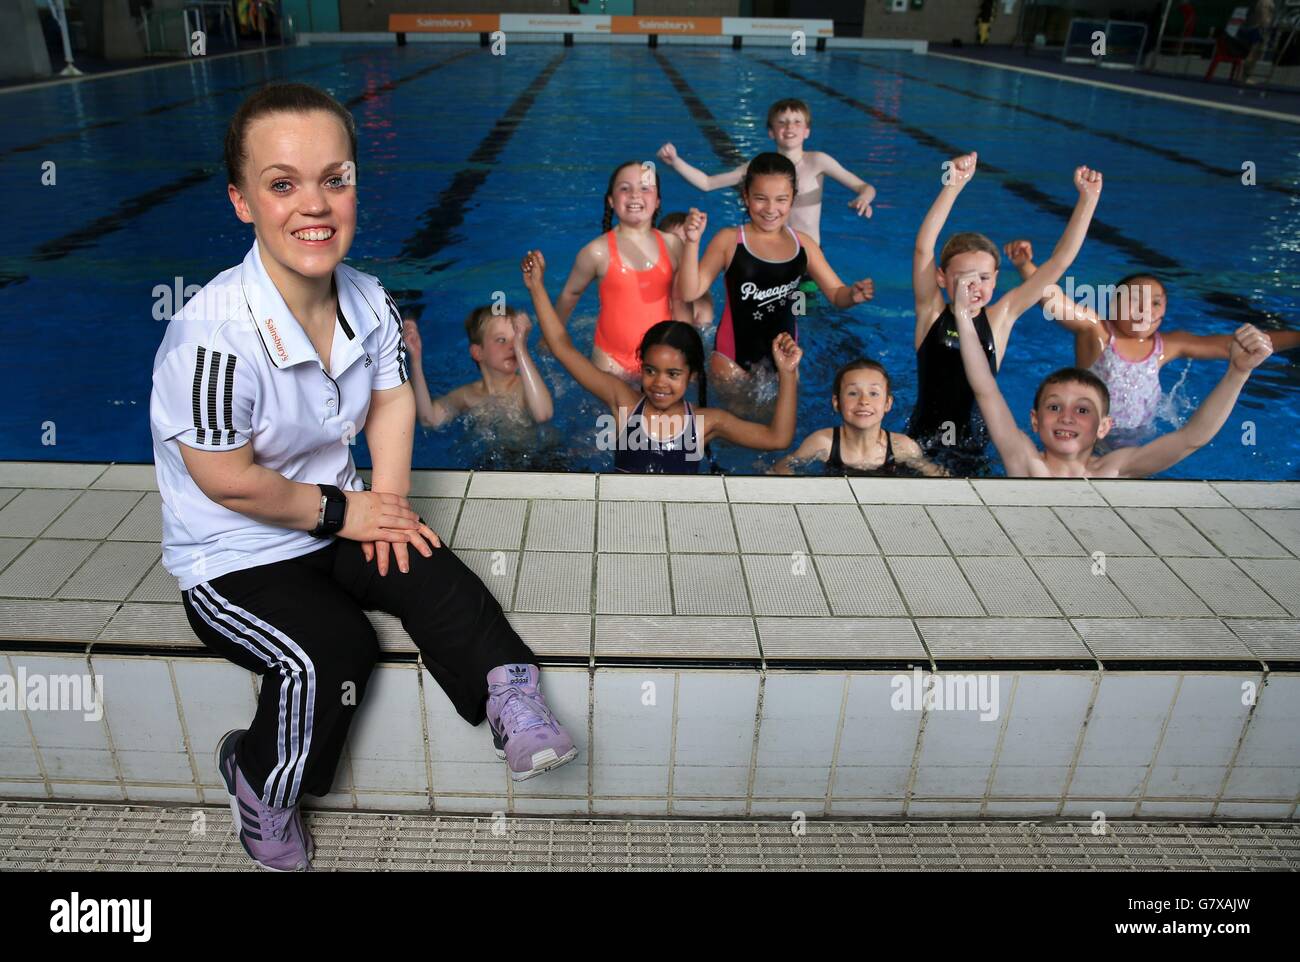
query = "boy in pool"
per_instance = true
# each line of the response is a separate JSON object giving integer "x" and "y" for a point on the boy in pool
{"x": 859, "y": 446}
{"x": 789, "y": 124}
{"x": 1071, "y": 411}
{"x": 498, "y": 343}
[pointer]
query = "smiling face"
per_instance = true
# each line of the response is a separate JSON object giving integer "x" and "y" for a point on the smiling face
{"x": 497, "y": 352}
{"x": 769, "y": 199}
{"x": 864, "y": 398}
{"x": 634, "y": 196}
{"x": 298, "y": 190}
{"x": 1139, "y": 307}
{"x": 664, "y": 376}
{"x": 789, "y": 129}
{"x": 981, "y": 267}
{"x": 1069, "y": 419}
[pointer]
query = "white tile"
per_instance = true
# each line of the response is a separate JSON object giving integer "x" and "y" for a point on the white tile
{"x": 970, "y": 530}
{"x": 801, "y": 713}
{"x": 934, "y": 587}
{"x": 946, "y": 809}
{"x": 620, "y": 806}
{"x": 568, "y": 805}
{"x": 1178, "y": 809}
{"x": 128, "y": 477}
{"x": 172, "y": 794}
{"x": 1268, "y": 765}
{"x": 634, "y": 487}
{"x": 887, "y": 809}
{"x": 633, "y": 732}
{"x": 1261, "y": 811}
{"x": 97, "y": 791}
{"x": 715, "y": 733}
{"x": 1201, "y": 736}
{"x": 389, "y": 802}
{"x": 1041, "y": 809}
{"x": 1036, "y": 492}
{"x": 1259, "y": 494}
{"x": 48, "y": 474}
{"x": 1280, "y": 578}
{"x": 1282, "y": 526}
{"x": 216, "y": 697}
{"x": 12, "y": 788}
{"x": 777, "y": 490}
{"x": 913, "y": 491}
{"x": 141, "y": 711}
{"x": 567, "y": 692}
{"x": 1101, "y": 529}
{"x": 957, "y": 746}
{"x": 1167, "y": 532}
{"x": 721, "y": 808}
{"x": 386, "y": 740}
{"x": 456, "y": 804}
{"x": 1087, "y": 808}
{"x": 769, "y": 528}
{"x": 1162, "y": 494}
{"x": 17, "y": 756}
{"x": 1233, "y": 533}
{"x": 461, "y": 755}
{"x": 532, "y": 484}
{"x": 836, "y": 529}
{"x": 1223, "y": 586}
{"x": 878, "y": 741}
{"x": 1036, "y": 530}
{"x": 1122, "y": 734}
{"x": 904, "y": 529}
{"x": 1046, "y": 719}
{"x": 71, "y": 746}
{"x": 438, "y": 484}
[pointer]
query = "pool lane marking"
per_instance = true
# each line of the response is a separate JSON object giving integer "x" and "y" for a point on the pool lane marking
{"x": 723, "y": 146}
{"x": 134, "y": 207}
{"x": 164, "y": 108}
{"x": 1165, "y": 152}
{"x": 1108, "y": 234}
{"x": 440, "y": 220}
{"x": 1159, "y": 95}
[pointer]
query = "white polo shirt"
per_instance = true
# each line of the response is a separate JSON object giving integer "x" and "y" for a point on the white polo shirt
{"x": 234, "y": 368}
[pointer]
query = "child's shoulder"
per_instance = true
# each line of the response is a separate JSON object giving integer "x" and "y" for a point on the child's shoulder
{"x": 821, "y": 439}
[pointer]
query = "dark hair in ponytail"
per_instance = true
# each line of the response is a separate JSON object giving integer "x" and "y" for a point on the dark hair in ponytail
{"x": 608, "y": 221}
{"x": 685, "y": 338}
{"x": 771, "y": 163}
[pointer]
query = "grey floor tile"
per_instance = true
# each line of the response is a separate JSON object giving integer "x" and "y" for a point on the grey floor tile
{"x": 532, "y": 484}
{"x": 904, "y": 529}
{"x": 859, "y": 586}
{"x": 554, "y": 583}
{"x": 1279, "y": 578}
{"x": 708, "y": 585}
{"x": 970, "y": 530}
{"x": 150, "y": 625}
{"x": 635, "y": 526}
{"x": 11, "y": 548}
{"x": 1077, "y": 590}
{"x": 554, "y": 636}
{"x": 8, "y": 494}
{"x": 439, "y": 514}
{"x": 1223, "y": 586}
{"x": 700, "y": 527}
{"x": 913, "y": 491}
{"x": 632, "y": 584}
{"x": 1259, "y": 494}
{"x": 783, "y": 490}
{"x": 954, "y": 638}
{"x": 836, "y": 529}
{"x": 48, "y": 474}
{"x": 769, "y": 528}
{"x": 38, "y": 571}
{"x": 158, "y": 587}
{"x": 110, "y": 574}
{"x": 675, "y": 637}
{"x": 1036, "y": 530}
{"x": 1233, "y": 533}
{"x": 438, "y": 484}
{"x": 934, "y": 587}
{"x": 780, "y": 586}
{"x": 128, "y": 477}
{"x": 561, "y": 526}
{"x": 1153, "y": 589}
{"x": 1101, "y": 529}
{"x": 94, "y": 515}
{"x": 33, "y": 620}
{"x": 488, "y": 523}
{"x": 143, "y": 523}
{"x": 27, "y": 515}
{"x": 821, "y": 638}
{"x": 1282, "y": 526}
{"x": 497, "y": 571}
{"x": 1159, "y": 494}
{"x": 1007, "y": 587}
{"x": 1142, "y": 639}
{"x": 654, "y": 487}
{"x": 1036, "y": 491}
{"x": 1273, "y": 640}
{"x": 1167, "y": 532}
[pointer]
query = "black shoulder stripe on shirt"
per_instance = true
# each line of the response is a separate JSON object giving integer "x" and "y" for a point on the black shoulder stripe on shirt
{"x": 214, "y": 374}
{"x": 230, "y": 393}
{"x": 197, "y": 394}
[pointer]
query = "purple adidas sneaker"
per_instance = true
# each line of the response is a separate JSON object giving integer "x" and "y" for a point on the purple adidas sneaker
{"x": 275, "y": 838}
{"x": 524, "y": 732}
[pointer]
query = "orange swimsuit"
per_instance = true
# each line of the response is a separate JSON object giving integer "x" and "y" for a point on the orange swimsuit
{"x": 632, "y": 302}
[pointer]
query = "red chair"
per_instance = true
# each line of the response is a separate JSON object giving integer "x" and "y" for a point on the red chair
{"x": 1225, "y": 52}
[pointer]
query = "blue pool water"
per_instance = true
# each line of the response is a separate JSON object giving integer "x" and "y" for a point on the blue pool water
{"x": 139, "y": 201}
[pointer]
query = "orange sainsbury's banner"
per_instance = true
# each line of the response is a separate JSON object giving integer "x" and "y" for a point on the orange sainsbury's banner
{"x": 683, "y": 26}
{"x": 444, "y": 22}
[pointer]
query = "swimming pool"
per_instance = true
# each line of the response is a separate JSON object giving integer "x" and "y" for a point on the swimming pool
{"x": 467, "y": 159}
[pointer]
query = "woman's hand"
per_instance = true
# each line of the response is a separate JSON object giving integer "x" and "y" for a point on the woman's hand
{"x": 379, "y": 516}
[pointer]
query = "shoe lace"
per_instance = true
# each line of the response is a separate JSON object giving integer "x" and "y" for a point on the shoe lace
{"x": 519, "y": 712}
{"x": 276, "y": 822}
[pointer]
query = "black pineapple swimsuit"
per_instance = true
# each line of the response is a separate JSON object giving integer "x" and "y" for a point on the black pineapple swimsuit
{"x": 761, "y": 296}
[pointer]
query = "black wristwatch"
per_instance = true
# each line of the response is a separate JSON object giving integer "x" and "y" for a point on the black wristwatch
{"x": 333, "y": 506}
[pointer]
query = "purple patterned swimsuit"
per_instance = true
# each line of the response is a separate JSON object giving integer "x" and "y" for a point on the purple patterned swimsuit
{"x": 1134, "y": 385}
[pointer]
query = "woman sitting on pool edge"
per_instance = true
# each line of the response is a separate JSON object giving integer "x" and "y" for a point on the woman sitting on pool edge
{"x": 251, "y": 409}
{"x": 671, "y": 438}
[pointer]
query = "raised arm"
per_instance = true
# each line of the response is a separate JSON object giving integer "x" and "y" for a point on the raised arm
{"x": 583, "y": 273}
{"x": 925, "y": 286}
{"x": 1206, "y": 347}
{"x": 693, "y": 274}
{"x": 1250, "y": 348}
{"x": 609, "y": 389}
{"x": 828, "y": 282}
{"x": 1031, "y": 290}
{"x": 777, "y": 435}
{"x": 698, "y": 178}
{"x": 537, "y": 397}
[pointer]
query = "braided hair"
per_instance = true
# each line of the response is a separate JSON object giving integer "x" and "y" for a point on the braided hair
{"x": 607, "y": 222}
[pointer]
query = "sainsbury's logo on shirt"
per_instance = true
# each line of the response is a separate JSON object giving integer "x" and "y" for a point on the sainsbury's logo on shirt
{"x": 275, "y": 339}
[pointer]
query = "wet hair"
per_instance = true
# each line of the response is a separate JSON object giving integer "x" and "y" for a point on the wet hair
{"x": 280, "y": 98}
{"x": 966, "y": 242}
{"x": 771, "y": 163}
{"x": 860, "y": 364}
{"x": 1075, "y": 375}
{"x": 1131, "y": 279}
{"x": 685, "y": 338}
{"x": 478, "y": 319}
{"x": 672, "y": 221}
{"x": 608, "y": 221}
{"x": 781, "y": 106}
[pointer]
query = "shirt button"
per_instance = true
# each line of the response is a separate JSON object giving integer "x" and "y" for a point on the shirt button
{"x": 329, "y": 403}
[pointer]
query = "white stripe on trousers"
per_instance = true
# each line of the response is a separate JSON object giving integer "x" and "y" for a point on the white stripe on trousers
{"x": 293, "y": 742}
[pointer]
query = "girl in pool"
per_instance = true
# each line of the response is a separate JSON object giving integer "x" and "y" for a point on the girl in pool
{"x": 655, "y": 430}
{"x": 763, "y": 263}
{"x": 1128, "y": 349}
{"x": 634, "y": 264}
{"x": 859, "y": 446}
{"x": 277, "y": 547}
